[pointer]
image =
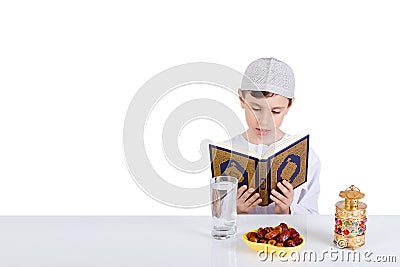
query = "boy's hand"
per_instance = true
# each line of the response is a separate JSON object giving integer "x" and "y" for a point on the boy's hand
{"x": 244, "y": 205}
{"x": 284, "y": 200}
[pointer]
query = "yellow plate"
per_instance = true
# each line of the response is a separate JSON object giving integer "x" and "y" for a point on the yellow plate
{"x": 269, "y": 248}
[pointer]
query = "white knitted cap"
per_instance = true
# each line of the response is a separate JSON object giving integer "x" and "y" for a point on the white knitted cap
{"x": 269, "y": 74}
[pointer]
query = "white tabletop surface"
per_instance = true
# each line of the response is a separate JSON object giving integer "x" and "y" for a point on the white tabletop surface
{"x": 176, "y": 241}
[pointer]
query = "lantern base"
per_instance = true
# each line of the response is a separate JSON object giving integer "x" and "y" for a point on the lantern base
{"x": 349, "y": 242}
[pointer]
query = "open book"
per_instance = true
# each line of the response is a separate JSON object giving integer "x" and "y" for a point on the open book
{"x": 286, "y": 159}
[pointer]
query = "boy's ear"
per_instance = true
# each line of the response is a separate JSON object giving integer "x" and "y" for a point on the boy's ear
{"x": 291, "y": 104}
{"x": 241, "y": 98}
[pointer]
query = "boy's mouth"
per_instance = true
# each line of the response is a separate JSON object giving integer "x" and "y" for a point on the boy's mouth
{"x": 262, "y": 131}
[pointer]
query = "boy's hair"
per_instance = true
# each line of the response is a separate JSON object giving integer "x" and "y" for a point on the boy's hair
{"x": 261, "y": 94}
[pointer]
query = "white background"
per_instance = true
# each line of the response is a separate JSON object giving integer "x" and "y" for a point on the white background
{"x": 69, "y": 69}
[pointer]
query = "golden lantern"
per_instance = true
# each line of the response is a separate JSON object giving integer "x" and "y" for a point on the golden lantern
{"x": 350, "y": 219}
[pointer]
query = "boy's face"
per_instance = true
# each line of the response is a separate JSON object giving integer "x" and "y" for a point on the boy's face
{"x": 264, "y": 116}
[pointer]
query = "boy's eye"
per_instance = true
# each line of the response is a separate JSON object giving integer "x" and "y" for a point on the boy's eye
{"x": 276, "y": 112}
{"x": 256, "y": 109}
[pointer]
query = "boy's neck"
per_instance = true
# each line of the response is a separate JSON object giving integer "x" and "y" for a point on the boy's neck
{"x": 266, "y": 140}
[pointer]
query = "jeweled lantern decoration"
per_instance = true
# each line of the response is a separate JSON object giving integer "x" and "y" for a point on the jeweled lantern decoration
{"x": 350, "y": 219}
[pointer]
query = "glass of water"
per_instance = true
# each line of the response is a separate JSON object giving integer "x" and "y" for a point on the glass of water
{"x": 223, "y": 206}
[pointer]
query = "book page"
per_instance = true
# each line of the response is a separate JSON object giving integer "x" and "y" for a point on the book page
{"x": 238, "y": 148}
{"x": 281, "y": 144}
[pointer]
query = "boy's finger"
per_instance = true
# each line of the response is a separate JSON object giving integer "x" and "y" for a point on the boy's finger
{"x": 255, "y": 203}
{"x": 277, "y": 201}
{"x": 288, "y": 185}
{"x": 246, "y": 194}
{"x": 241, "y": 191}
{"x": 283, "y": 188}
{"x": 254, "y": 198}
{"x": 279, "y": 196}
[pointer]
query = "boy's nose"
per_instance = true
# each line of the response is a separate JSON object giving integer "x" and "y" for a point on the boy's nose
{"x": 265, "y": 119}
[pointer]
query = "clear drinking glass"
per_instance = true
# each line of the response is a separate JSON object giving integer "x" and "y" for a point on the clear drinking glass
{"x": 223, "y": 191}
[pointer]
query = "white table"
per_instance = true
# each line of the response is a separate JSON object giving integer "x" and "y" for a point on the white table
{"x": 172, "y": 241}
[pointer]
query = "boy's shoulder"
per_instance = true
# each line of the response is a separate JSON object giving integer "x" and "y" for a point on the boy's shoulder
{"x": 237, "y": 140}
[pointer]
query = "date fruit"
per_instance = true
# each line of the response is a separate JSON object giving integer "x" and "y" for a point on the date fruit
{"x": 271, "y": 235}
{"x": 283, "y": 236}
{"x": 293, "y": 233}
{"x": 290, "y": 243}
{"x": 279, "y": 236}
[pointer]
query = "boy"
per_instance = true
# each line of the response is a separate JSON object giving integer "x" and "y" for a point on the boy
{"x": 266, "y": 95}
